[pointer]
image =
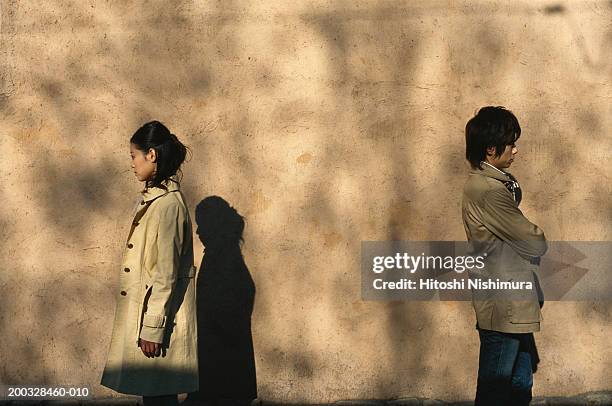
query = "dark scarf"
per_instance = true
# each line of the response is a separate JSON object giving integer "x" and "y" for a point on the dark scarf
{"x": 513, "y": 186}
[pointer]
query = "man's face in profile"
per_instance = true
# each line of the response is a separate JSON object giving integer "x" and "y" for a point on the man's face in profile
{"x": 505, "y": 159}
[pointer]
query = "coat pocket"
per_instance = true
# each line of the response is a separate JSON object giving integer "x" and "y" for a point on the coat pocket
{"x": 524, "y": 312}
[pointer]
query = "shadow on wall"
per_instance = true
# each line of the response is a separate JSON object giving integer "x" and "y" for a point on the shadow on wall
{"x": 225, "y": 298}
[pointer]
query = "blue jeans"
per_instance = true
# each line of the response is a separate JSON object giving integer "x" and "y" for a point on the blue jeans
{"x": 505, "y": 375}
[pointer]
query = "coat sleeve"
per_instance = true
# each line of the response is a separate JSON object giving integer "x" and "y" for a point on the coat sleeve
{"x": 170, "y": 237}
{"x": 504, "y": 219}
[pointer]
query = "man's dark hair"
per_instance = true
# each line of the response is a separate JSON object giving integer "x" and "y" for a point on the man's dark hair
{"x": 490, "y": 127}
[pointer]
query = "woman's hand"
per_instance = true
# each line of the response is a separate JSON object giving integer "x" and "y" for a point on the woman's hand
{"x": 149, "y": 348}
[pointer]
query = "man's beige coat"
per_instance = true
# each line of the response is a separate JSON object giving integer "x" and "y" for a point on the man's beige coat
{"x": 498, "y": 230}
{"x": 156, "y": 300}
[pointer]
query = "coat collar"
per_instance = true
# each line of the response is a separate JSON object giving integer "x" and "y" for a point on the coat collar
{"x": 151, "y": 193}
{"x": 492, "y": 172}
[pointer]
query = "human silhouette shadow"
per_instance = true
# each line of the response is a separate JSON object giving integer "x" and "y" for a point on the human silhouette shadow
{"x": 225, "y": 296}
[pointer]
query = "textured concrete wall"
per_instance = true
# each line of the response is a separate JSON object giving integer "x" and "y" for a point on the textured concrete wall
{"x": 324, "y": 123}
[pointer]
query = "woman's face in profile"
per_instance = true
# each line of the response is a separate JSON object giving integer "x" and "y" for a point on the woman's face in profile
{"x": 143, "y": 165}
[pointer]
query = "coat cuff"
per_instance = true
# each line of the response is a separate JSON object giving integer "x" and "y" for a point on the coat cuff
{"x": 155, "y": 335}
{"x": 154, "y": 320}
{"x": 153, "y": 327}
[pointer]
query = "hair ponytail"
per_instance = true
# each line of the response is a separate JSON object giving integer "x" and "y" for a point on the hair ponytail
{"x": 170, "y": 151}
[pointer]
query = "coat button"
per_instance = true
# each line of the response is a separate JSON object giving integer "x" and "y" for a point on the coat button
{"x": 126, "y": 269}
{"x": 123, "y": 293}
{"x": 130, "y": 245}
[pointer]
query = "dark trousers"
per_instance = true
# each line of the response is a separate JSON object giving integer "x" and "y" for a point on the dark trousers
{"x": 505, "y": 374}
{"x": 165, "y": 400}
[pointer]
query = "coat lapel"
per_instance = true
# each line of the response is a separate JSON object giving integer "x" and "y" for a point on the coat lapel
{"x": 149, "y": 195}
{"x": 505, "y": 177}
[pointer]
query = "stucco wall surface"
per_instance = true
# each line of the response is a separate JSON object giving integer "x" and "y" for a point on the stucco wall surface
{"x": 325, "y": 123}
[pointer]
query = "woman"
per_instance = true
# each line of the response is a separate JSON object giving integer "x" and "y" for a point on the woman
{"x": 153, "y": 350}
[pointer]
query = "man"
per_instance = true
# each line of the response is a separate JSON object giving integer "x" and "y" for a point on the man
{"x": 511, "y": 246}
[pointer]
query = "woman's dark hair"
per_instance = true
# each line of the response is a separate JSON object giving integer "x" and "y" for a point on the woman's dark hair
{"x": 490, "y": 127}
{"x": 170, "y": 151}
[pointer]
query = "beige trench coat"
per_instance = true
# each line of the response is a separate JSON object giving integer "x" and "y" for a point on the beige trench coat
{"x": 156, "y": 300}
{"x": 497, "y": 229}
